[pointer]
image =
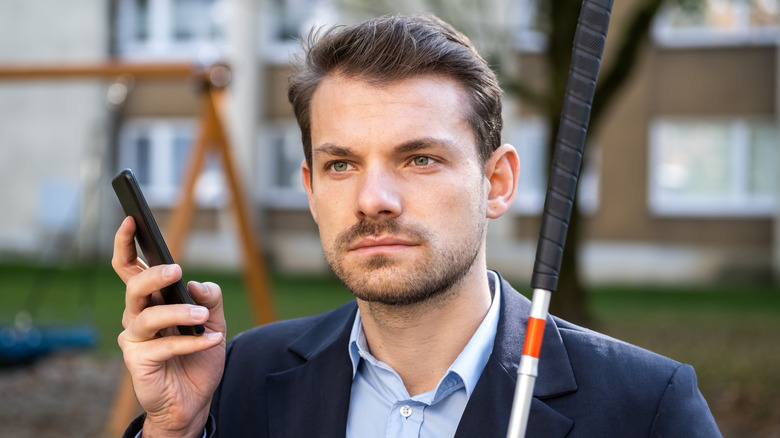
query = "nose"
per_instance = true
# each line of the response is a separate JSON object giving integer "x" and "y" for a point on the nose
{"x": 378, "y": 195}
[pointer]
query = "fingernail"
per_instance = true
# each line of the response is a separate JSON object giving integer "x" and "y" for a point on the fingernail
{"x": 198, "y": 312}
{"x": 169, "y": 271}
{"x": 203, "y": 289}
{"x": 213, "y": 336}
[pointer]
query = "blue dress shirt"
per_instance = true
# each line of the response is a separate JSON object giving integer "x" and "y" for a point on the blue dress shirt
{"x": 380, "y": 406}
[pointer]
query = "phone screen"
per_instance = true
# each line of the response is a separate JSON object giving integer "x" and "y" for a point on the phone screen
{"x": 150, "y": 240}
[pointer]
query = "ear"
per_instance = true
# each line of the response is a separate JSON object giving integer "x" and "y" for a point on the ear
{"x": 501, "y": 173}
{"x": 307, "y": 176}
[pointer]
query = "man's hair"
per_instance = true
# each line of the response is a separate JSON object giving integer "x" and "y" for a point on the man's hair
{"x": 393, "y": 48}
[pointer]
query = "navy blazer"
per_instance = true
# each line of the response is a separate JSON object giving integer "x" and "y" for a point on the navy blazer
{"x": 293, "y": 379}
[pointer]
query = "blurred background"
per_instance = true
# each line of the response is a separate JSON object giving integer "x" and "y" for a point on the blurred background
{"x": 675, "y": 245}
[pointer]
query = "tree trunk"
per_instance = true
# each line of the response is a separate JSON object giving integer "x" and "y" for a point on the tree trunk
{"x": 570, "y": 300}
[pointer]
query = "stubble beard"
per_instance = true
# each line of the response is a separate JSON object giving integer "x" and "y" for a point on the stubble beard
{"x": 383, "y": 280}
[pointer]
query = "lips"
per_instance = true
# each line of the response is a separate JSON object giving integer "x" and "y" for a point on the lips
{"x": 380, "y": 244}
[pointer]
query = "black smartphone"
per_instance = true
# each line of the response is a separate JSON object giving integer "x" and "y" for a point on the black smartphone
{"x": 150, "y": 239}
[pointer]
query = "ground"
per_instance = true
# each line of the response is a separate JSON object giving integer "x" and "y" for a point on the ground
{"x": 60, "y": 396}
{"x": 71, "y": 395}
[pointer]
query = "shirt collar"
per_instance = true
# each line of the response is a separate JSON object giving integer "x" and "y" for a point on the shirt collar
{"x": 469, "y": 363}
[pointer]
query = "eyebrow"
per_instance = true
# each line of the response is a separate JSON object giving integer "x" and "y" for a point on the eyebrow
{"x": 422, "y": 144}
{"x": 332, "y": 150}
{"x": 406, "y": 147}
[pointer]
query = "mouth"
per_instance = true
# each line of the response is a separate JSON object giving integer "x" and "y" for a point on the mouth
{"x": 376, "y": 245}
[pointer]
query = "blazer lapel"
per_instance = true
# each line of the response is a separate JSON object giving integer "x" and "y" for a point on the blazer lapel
{"x": 313, "y": 398}
{"x": 490, "y": 406}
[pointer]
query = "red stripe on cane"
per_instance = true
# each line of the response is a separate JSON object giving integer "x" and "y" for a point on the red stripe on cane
{"x": 533, "y": 337}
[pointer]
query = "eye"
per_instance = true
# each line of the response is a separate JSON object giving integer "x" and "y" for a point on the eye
{"x": 339, "y": 166}
{"x": 422, "y": 161}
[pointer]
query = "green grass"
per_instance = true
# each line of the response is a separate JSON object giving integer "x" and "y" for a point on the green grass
{"x": 725, "y": 332}
{"x": 76, "y": 295}
{"x": 729, "y": 334}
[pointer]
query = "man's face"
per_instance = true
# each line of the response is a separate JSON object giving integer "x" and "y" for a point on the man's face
{"x": 396, "y": 186}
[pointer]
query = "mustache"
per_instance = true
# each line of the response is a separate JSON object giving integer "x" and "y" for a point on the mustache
{"x": 366, "y": 228}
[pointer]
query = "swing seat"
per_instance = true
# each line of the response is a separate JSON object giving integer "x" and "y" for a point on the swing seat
{"x": 25, "y": 346}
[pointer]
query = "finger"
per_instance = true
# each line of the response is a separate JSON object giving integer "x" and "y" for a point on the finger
{"x": 206, "y": 294}
{"x": 125, "y": 260}
{"x": 165, "y": 348}
{"x": 209, "y": 295}
{"x": 155, "y": 299}
{"x": 154, "y": 320}
{"x": 140, "y": 287}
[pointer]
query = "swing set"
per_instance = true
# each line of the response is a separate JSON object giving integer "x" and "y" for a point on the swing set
{"x": 23, "y": 341}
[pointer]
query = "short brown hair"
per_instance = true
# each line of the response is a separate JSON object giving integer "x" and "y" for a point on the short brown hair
{"x": 393, "y": 48}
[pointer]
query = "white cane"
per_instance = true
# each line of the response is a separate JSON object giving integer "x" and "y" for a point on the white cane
{"x": 589, "y": 40}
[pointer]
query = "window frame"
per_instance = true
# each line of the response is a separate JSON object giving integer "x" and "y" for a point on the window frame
{"x": 272, "y": 134}
{"x": 161, "y": 43}
{"x": 744, "y": 33}
{"x": 738, "y": 202}
{"x": 276, "y": 51}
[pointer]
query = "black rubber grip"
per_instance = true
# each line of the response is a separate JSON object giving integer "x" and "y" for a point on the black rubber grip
{"x": 589, "y": 40}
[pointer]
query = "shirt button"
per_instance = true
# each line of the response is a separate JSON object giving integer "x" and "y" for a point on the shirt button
{"x": 406, "y": 411}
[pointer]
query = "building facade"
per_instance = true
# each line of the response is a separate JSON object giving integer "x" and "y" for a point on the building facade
{"x": 52, "y": 132}
{"x": 680, "y": 183}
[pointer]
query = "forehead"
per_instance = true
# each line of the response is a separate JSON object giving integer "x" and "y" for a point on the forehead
{"x": 347, "y": 109}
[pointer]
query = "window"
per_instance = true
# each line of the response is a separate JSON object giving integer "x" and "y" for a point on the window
{"x": 719, "y": 22}
{"x": 530, "y": 24}
{"x": 529, "y": 136}
{"x": 158, "y": 151}
{"x": 289, "y": 21}
{"x": 280, "y": 157}
{"x": 498, "y": 28}
{"x": 712, "y": 167}
{"x": 183, "y": 29}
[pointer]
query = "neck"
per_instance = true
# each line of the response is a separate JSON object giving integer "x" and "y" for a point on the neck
{"x": 421, "y": 341}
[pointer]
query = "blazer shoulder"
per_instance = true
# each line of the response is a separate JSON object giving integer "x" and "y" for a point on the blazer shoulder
{"x": 648, "y": 394}
{"x": 594, "y": 348}
{"x": 636, "y": 377}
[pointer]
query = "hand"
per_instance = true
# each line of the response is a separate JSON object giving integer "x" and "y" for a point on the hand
{"x": 174, "y": 376}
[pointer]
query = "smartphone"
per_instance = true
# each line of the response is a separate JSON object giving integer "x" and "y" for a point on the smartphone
{"x": 150, "y": 239}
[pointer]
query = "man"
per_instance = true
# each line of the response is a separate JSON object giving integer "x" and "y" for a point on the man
{"x": 400, "y": 122}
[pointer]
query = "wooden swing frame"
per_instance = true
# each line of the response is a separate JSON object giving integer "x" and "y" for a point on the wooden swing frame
{"x": 212, "y": 137}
